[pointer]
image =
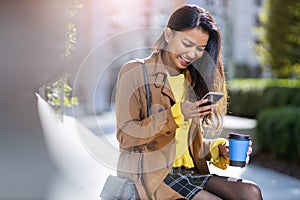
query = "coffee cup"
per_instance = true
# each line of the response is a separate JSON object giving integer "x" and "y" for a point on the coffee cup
{"x": 238, "y": 148}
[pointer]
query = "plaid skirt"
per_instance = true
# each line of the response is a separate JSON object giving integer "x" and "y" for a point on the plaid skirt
{"x": 186, "y": 182}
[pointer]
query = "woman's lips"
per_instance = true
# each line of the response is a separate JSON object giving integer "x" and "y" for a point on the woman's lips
{"x": 184, "y": 62}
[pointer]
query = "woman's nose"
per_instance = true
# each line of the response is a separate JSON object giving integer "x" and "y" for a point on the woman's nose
{"x": 192, "y": 53}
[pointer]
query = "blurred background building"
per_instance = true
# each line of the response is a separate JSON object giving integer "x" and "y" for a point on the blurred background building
{"x": 109, "y": 24}
{"x": 33, "y": 38}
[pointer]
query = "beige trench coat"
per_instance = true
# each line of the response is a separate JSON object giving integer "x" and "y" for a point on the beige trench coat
{"x": 135, "y": 129}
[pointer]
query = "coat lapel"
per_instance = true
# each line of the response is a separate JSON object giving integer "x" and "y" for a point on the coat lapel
{"x": 158, "y": 75}
{"x": 161, "y": 81}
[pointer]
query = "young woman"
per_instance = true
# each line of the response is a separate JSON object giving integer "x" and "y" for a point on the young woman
{"x": 185, "y": 64}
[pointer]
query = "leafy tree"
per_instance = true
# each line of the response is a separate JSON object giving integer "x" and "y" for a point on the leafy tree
{"x": 279, "y": 37}
{"x": 59, "y": 93}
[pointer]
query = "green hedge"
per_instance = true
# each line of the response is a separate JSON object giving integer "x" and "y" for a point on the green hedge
{"x": 248, "y": 97}
{"x": 279, "y": 132}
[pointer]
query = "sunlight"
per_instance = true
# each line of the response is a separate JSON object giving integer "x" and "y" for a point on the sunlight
{"x": 235, "y": 172}
{"x": 126, "y": 13}
{"x": 81, "y": 171}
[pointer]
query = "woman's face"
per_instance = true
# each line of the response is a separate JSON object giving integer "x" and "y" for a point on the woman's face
{"x": 184, "y": 47}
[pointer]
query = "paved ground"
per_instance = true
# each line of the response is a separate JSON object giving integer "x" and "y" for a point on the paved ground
{"x": 69, "y": 161}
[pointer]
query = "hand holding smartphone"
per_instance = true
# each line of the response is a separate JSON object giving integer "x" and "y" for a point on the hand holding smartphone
{"x": 189, "y": 111}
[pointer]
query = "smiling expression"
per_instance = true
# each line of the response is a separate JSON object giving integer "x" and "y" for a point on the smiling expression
{"x": 184, "y": 47}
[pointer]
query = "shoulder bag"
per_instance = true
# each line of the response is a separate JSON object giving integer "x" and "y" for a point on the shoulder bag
{"x": 117, "y": 187}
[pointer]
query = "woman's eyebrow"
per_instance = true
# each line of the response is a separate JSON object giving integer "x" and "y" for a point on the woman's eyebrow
{"x": 187, "y": 40}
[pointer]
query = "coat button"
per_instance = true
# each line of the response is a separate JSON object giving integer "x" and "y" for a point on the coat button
{"x": 168, "y": 132}
{"x": 153, "y": 145}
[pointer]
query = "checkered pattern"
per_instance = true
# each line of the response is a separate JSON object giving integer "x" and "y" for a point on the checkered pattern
{"x": 187, "y": 184}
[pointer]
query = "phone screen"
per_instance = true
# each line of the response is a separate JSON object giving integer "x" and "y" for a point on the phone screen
{"x": 213, "y": 98}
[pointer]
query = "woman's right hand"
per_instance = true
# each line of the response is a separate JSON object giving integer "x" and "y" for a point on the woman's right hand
{"x": 195, "y": 110}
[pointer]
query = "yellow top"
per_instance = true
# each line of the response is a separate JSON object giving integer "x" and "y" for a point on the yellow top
{"x": 183, "y": 158}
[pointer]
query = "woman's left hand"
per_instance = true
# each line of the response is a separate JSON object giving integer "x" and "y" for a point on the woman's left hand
{"x": 224, "y": 150}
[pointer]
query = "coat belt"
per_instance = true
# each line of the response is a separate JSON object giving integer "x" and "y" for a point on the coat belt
{"x": 183, "y": 170}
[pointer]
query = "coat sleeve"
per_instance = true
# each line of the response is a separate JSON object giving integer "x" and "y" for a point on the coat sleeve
{"x": 134, "y": 128}
{"x": 202, "y": 145}
{"x": 206, "y": 148}
{"x": 202, "y": 151}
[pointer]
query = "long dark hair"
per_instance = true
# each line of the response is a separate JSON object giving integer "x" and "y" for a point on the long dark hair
{"x": 207, "y": 72}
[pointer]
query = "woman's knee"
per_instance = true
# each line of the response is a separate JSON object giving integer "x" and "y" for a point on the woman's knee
{"x": 252, "y": 192}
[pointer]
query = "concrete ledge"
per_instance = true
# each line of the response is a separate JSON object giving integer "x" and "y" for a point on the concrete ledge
{"x": 233, "y": 122}
{"x": 238, "y": 125}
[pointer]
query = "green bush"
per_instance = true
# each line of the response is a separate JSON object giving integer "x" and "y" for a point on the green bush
{"x": 278, "y": 132}
{"x": 281, "y": 96}
{"x": 283, "y": 56}
{"x": 248, "y": 97}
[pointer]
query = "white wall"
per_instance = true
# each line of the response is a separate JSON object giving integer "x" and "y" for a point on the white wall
{"x": 115, "y": 30}
{"x": 242, "y": 16}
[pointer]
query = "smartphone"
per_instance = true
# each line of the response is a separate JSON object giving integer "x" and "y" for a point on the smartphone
{"x": 213, "y": 98}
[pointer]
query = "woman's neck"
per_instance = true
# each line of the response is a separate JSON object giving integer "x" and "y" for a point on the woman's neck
{"x": 169, "y": 65}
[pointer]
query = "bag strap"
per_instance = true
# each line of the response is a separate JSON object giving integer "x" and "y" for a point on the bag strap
{"x": 148, "y": 98}
{"x": 148, "y": 94}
